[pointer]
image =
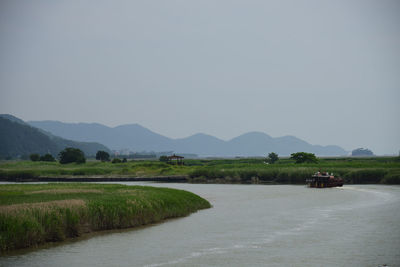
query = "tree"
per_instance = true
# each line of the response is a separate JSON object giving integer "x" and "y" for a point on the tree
{"x": 116, "y": 160}
{"x": 163, "y": 159}
{"x": 34, "y": 157}
{"x": 303, "y": 157}
{"x": 47, "y": 157}
{"x": 102, "y": 155}
{"x": 272, "y": 158}
{"x": 70, "y": 154}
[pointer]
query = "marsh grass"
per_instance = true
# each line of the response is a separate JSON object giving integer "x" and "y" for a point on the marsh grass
{"x": 353, "y": 170}
{"x": 39, "y": 213}
{"x": 247, "y": 170}
{"x": 29, "y": 169}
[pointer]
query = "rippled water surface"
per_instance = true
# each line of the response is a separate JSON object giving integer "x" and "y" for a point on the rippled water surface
{"x": 251, "y": 225}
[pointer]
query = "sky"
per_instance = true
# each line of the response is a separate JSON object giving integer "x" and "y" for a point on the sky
{"x": 327, "y": 72}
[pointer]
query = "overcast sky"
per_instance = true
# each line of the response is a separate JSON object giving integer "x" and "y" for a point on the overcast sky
{"x": 325, "y": 71}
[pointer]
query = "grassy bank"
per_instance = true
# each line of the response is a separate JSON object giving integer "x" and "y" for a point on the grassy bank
{"x": 384, "y": 170}
{"x": 35, "y": 214}
{"x": 292, "y": 175}
{"x": 285, "y": 171}
{"x": 91, "y": 168}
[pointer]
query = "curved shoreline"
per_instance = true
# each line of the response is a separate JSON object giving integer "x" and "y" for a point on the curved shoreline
{"x": 82, "y": 237}
{"x": 34, "y": 214}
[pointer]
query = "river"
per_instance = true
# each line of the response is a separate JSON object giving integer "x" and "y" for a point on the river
{"x": 251, "y": 225}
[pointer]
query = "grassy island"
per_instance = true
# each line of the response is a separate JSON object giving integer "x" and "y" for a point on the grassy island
{"x": 33, "y": 214}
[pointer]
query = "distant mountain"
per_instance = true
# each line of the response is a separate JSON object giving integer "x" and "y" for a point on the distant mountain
{"x": 253, "y": 143}
{"x": 201, "y": 144}
{"x": 138, "y": 138}
{"x": 18, "y": 138}
{"x": 132, "y": 136}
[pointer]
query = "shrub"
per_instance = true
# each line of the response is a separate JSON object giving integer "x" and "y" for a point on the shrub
{"x": 102, "y": 155}
{"x": 34, "y": 157}
{"x": 69, "y": 155}
{"x": 47, "y": 157}
{"x": 272, "y": 158}
{"x": 304, "y": 157}
{"x": 116, "y": 160}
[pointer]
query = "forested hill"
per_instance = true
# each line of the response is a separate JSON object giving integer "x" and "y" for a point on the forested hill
{"x": 19, "y": 139}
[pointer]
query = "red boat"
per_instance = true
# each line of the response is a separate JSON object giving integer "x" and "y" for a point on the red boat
{"x": 322, "y": 180}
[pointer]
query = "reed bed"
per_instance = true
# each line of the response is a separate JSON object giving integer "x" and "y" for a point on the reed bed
{"x": 33, "y": 214}
{"x": 293, "y": 175}
{"x": 247, "y": 170}
{"x": 285, "y": 171}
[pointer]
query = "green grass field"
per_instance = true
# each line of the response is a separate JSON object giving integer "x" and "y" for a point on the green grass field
{"x": 32, "y": 214}
{"x": 247, "y": 170}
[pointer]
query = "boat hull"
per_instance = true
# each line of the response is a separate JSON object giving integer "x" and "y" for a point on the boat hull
{"x": 324, "y": 181}
{"x": 315, "y": 185}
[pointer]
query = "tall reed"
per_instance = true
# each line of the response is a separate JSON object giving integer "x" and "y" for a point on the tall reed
{"x": 34, "y": 214}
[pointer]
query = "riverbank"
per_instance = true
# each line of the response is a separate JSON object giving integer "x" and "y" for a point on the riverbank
{"x": 34, "y": 214}
{"x": 248, "y": 226}
{"x": 374, "y": 170}
{"x": 97, "y": 179}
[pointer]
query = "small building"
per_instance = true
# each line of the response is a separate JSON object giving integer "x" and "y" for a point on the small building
{"x": 175, "y": 160}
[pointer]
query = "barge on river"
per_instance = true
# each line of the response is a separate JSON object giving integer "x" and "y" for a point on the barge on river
{"x": 322, "y": 180}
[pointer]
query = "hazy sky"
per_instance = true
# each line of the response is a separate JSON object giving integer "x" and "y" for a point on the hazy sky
{"x": 325, "y": 71}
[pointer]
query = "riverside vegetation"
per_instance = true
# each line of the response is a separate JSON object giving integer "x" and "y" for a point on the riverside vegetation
{"x": 32, "y": 214}
{"x": 385, "y": 170}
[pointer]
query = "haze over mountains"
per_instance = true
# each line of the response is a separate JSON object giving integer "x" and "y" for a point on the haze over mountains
{"x": 138, "y": 138}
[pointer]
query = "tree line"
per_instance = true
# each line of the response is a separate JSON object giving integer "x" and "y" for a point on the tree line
{"x": 71, "y": 155}
{"x": 68, "y": 155}
{"x": 74, "y": 155}
{"x": 299, "y": 157}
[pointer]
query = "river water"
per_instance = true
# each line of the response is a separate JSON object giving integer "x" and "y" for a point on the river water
{"x": 251, "y": 225}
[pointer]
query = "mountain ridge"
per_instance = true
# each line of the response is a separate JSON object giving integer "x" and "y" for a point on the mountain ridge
{"x": 138, "y": 138}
